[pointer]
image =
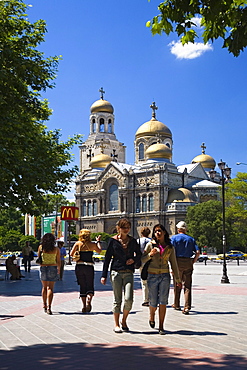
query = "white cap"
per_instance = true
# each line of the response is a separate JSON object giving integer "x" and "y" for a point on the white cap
{"x": 181, "y": 225}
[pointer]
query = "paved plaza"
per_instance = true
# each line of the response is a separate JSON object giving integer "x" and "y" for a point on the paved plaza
{"x": 213, "y": 336}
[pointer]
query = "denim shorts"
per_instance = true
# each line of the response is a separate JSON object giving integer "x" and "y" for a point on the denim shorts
{"x": 158, "y": 288}
{"x": 48, "y": 273}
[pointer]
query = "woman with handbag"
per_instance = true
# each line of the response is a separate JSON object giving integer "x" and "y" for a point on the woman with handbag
{"x": 156, "y": 255}
{"x": 49, "y": 258}
{"x": 124, "y": 253}
{"x": 82, "y": 253}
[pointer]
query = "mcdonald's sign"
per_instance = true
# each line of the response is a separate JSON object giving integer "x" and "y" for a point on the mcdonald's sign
{"x": 69, "y": 213}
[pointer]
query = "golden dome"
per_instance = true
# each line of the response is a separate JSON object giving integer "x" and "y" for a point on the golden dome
{"x": 152, "y": 128}
{"x": 206, "y": 161}
{"x": 180, "y": 195}
{"x": 158, "y": 151}
{"x": 101, "y": 105}
{"x": 100, "y": 161}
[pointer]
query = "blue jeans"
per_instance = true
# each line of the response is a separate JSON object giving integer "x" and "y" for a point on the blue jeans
{"x": 122, "y": 280}
{"x": 158, "y": 288}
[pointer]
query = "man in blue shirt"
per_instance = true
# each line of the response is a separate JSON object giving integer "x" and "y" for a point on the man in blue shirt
{"x": 187, "y": 253}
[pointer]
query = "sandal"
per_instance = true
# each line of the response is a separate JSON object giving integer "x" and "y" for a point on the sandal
{"x": 45, "y": 308}
{"x": 125, "y": 328}
{"x": 49, "y": 312}
{"x": 152, "y": 324}
{"x": 84, "y": 310}
{"x": 88, "y": 307}
{"x": 162, "y": 332}
{"x": 117, "y": 330}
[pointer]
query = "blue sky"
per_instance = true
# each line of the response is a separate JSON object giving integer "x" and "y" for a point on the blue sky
{"x": 200, "y": 91}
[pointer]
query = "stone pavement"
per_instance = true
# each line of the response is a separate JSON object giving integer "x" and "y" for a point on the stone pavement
{"x": 212, "y": 336}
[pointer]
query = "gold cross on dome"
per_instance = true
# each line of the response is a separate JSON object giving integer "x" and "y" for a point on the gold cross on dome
{"x": 154, "y": 108}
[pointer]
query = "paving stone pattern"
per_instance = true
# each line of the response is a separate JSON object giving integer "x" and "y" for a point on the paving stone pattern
{"x": 212, "y": 336}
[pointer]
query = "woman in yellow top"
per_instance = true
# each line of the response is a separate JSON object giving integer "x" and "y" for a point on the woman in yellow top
{"x": 84, "y": 268}
{"x": 49, "y": 269}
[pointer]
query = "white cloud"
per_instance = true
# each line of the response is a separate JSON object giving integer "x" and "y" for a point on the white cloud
{"x": 197, "y": 21}
{"x": 190, "y": 50}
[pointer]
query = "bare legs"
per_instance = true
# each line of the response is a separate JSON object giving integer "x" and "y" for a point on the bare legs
{"x": 47, "y": 294}
{"x": 87, "y": 303}
{"x": 124, "y": 320}
{"x": 162, "y": 315}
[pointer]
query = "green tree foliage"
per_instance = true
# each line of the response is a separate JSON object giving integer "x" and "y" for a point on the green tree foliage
{"x": 33, "y": 161}
{"x": 205, "y": 224}
{"x": 224, "y": 19}
{"x": 33, "y": 242}
{"x": 236, "y": 210}
{"x": 10, "y": 218}
{"x": 10, "y": 240}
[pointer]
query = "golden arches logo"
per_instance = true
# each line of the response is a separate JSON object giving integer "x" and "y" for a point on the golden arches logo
{"x": 69, "y": 213}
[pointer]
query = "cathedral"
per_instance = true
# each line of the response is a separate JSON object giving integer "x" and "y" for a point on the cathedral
{"x": 153, "y": 190}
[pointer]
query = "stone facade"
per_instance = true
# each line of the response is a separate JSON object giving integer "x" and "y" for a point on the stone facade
{"x": 152, "y": 191}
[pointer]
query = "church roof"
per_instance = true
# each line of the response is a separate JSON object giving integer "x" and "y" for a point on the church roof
{"x": 205, "y": 184}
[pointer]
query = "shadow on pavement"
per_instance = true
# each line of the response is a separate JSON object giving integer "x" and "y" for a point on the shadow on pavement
{"x": 114, "y": 356}
{"x": 31, "y": 284}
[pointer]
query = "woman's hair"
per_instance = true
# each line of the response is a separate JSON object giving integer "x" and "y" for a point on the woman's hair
{"x": 122, "y": 223}
{"x": 85, "y": 235}
{"x": 48, "y": 242}
{"x": 145, "y": 231}
{"x": 166, "y": 236}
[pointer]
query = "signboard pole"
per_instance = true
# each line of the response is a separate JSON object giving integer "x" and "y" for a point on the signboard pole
{"x": 69, "y": 263}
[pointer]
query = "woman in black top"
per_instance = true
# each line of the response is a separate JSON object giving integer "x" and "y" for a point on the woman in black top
{"x": 123, "y": 252}
{"x": 84, "y": 269}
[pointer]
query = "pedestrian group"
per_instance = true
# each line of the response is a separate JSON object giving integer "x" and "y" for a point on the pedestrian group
{"x": 157, "y": 258}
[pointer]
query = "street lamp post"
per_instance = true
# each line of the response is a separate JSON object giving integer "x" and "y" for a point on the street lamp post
{"x": 225, "y": 176}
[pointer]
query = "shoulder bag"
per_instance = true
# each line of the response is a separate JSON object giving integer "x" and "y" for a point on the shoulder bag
{"x": 39, "y": 259}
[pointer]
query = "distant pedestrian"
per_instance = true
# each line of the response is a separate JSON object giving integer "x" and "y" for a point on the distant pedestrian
{"x": 123, "y": 252}
{"x": 27, "y": 255}
{"x": 63, "y": 253}
{"x": 12, "y": 268}
{"x": 187, "y": 253}
{"x": 142, "y": 241}
{"x": 49, "y": 269}
{"x": 159, "y": 252}
{"x": 84, "y": 268}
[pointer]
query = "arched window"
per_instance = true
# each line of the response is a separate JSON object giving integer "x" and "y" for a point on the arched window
{"x": 102, "y": 125}
{"x": 84, "y": 209}
{"x": 109, "y": 126}
{"x": 141, "y": 151}
{"x": 144, "y": 203}
{"x": 167, "y": 144}
{"x": 138, "y": 204}
{"x": 94, "y": 125}
{"x": 89, "y": 208}
{"x": 113, "y": 197}
{"x": 151, "y": 203}
{"x": 95, "y": 208}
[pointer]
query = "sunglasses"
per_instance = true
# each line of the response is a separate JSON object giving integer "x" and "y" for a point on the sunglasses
{"x": 158, "y": 231}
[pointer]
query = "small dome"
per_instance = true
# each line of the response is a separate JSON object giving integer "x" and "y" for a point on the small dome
{"x": 180, "y": 195}
{"x": 100, "y": 161}
{"x": 158, "y": 151}
{"x": 152, "y": 128}
{"x": 101, "y": 105}
{"x": 206, "y": 161}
